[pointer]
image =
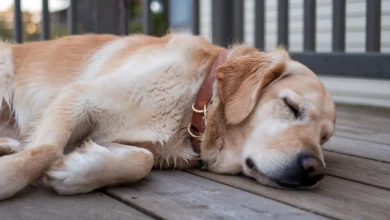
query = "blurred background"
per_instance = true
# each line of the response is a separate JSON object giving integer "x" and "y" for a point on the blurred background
{"x": 350, "y": 38}
{"x": 89, "y": 14}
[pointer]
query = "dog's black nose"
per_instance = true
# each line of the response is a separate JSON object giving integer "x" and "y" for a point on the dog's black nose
{"x": 311, "y": 168}
{"x": 250, "y": 164}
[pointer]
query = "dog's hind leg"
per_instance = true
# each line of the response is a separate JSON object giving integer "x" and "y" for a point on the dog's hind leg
{"x": 94, "y": 166}
{"x": 47, "y": 143}
{"x": 9, "y": 146}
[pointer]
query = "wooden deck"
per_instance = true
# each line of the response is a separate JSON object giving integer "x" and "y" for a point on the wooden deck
{"x": 357, "y": 186}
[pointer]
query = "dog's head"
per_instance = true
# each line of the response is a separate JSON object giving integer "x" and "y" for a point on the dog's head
{"x": 269, "y": 120}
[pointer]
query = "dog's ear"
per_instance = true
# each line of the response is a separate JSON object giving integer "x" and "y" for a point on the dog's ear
{"x": 243, "y": 78}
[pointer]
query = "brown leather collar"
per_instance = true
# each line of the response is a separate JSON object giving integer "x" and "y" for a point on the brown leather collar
{"x": 198, "y": 123}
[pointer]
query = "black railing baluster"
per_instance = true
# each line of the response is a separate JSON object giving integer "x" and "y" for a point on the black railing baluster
{"x": 45, "y": 32}
{"x": 147, "y": 27}
{"x": 283, "y": 23}
{"x": 238, "y": 20}
{"x": 107, "y": 16}
{"x": 71, "y": 17}
{"x": 167, "y": 14}
{"x": 124, "y": 17}
{"x": 195, "y": 17}
{"x": 338, "y": 33}
{"x": 222, "y": 22}
{"x": 373, "y": 25}
{"x": 309, "y": 37}
{"x": 18, "y": 24}
{"x": 259, "y": 24}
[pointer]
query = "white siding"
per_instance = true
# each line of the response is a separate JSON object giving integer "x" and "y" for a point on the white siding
{"x": 355, "y": 24}
{"x": 344, "y": 90}
{"x": 205, "y": 18}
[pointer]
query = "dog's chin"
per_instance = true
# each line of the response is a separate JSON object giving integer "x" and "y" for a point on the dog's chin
{"x": 277, "y": 182}
{"x": 224, "y": 162}
{"x": 224, "y": 168}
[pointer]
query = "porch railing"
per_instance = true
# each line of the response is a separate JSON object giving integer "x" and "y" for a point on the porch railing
{"x": 227, "y": 26}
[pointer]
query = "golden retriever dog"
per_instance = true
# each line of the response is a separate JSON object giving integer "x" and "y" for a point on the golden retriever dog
{"x": 128, "y": 104}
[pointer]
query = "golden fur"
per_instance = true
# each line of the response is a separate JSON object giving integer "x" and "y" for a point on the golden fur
{"x": 123, "y": 105}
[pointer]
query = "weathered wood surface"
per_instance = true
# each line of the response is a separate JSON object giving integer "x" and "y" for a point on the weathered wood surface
{"x": 36, "y": 203}
{"x": 178, "y": 195}
{"x": 361, "y": 170}
{"x": 359, "y": 133}
{"x": 364, "y": 123}
{"x": 359, "y": 148}
{"x": 357, "y": 186}
{"x": 335, "y": 198}
{"x": 365, "y": 117}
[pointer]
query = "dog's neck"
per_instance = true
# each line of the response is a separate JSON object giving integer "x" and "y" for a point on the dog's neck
{"x": 203, "y": 100}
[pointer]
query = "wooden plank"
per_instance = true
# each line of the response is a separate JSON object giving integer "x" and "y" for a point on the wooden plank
{"x": 368, "y": 121}
{"x": 368, "y": 126}
{"x": 36, "y": 203}
{"x": 364, "y": 110}
{"x": 359, "y": 148}
{"x": 367, "y": 117}
{"x": 361, "y": 170}
{"x": 359, "y": 133}
{"x": 334, "y": 197}
{"x": 179, "y": 195}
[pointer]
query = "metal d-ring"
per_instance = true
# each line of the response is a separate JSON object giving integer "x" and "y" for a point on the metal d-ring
{"x": 199, "y": 111}
{"x": 204, "y": 111}
{"x": 192, "y": 134}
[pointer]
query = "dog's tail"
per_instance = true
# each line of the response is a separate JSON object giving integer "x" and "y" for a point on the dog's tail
{"x": 6, "y": 73}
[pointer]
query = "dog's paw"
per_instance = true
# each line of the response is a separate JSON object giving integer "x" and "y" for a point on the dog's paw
{"x": 65, "y": 180}
{"x": 9, "y": 146}
{"x": 77, "y": 172}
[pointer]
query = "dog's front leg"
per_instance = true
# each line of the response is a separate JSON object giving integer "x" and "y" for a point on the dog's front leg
{"x": 52, "y": 134}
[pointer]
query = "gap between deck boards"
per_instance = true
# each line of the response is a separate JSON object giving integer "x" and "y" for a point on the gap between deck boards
{"x": 180, "y": 195}
{"x": 359, "y": 148}
{"x": 335, "y": 198}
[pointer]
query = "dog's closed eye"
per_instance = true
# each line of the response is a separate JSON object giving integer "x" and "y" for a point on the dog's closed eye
{"x": 294, "y": 108}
